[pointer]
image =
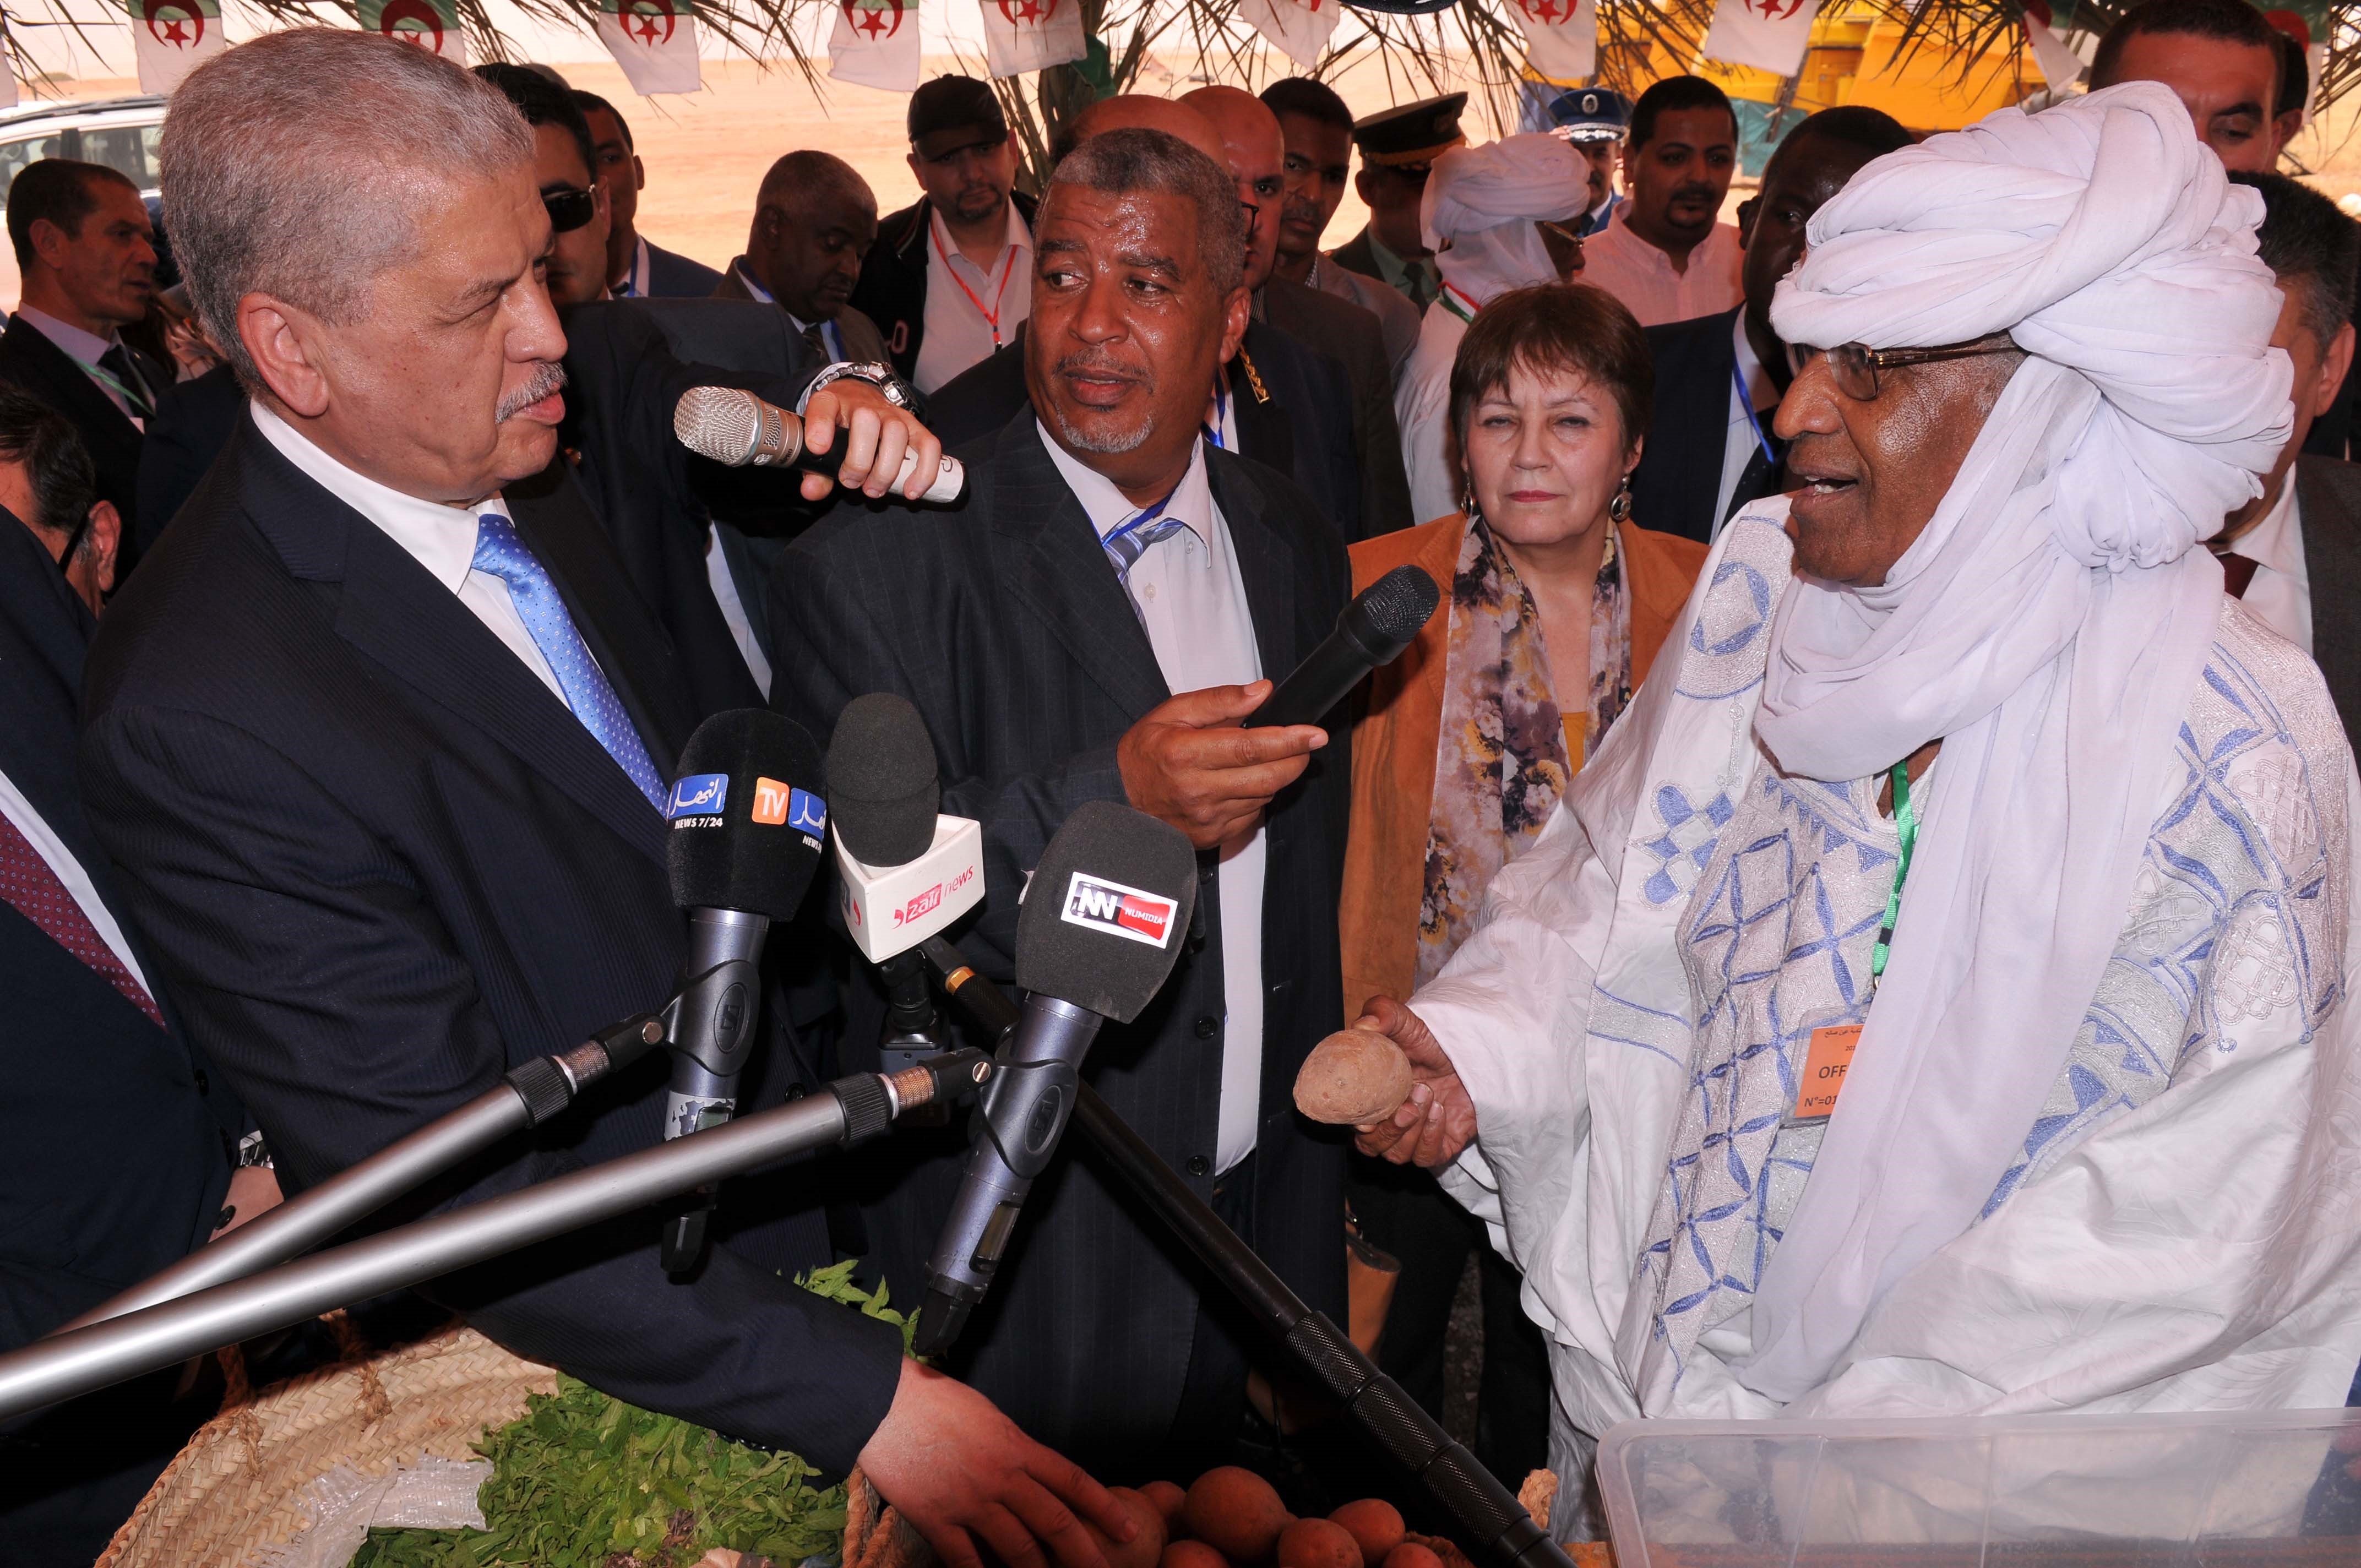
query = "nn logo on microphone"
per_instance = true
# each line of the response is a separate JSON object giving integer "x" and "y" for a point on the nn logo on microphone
{"x": 1133, "y": 914}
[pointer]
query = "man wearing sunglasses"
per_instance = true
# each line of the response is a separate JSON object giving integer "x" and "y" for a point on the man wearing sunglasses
{"x": 564, "y": 161}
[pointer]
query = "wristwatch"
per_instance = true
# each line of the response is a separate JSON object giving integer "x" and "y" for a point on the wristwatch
{"x": 898, "y": 392}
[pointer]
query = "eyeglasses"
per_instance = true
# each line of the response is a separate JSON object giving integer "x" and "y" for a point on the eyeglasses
{"x": 1562, "y": 232}
{"x": 1854, "y": 367}
{"x": 568, "y": 209}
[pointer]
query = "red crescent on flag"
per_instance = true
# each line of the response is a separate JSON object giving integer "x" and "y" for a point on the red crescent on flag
{"x": 647, "y": 13}
{"x": 870, "y": 22}
{"x": 2038, "y": 11}
{"x": 1775, "y": 10}
{"x": 419, "y": 11}
{"x": 151, "y": 9}
{"x": 1020, "y": 12}
{"x": 2291, "y": 24}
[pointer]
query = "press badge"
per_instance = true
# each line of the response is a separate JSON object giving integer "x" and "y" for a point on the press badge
{"x": 1828, "y": 1057}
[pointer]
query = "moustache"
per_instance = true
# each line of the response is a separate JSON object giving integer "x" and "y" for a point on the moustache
{"x": 1694, "y": 192}
{"x": 1103, "y": 363}
{"x": 547, "y": 378}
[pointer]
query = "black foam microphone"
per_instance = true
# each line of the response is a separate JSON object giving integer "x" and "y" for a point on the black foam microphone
{"x": 1382, "y": 620}
{"x": 744, "y": 841}
{"x": 1099, "y": 932}
{"x": 885, "y": 793}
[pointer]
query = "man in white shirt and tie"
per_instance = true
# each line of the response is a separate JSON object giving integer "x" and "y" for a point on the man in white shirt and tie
{"x": 1115, "y": 595}
{"x": 86, "y": 252}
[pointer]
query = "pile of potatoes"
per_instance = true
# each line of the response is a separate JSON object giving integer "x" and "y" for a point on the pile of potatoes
{"x": 1232, "y": 1518}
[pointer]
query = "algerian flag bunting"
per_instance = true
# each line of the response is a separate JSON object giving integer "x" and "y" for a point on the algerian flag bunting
{"x": 1300, "y": 28}
{"x": 875, "y": 44}
{"x": 431, "y": 25}
{"x": 173, "y": 39}
{"x": 1032, "y": 35}
{"x": 1561, "y": 39}
{"x": 2060, "y": 66}
{"x": 1769, "y": 35}
{"x": 654, "y": 41}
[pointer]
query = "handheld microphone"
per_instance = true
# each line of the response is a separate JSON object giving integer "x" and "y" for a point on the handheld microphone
{"x": 1382, "y": 620}
{"x": 1098, "y": 934}
{"x": 738, "y": 429}
{"x": 744, "y": 841}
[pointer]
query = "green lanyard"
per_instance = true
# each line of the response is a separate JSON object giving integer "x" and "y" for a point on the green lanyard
{"x": 1905, "y": 825}
{"x": 141, "y": 404}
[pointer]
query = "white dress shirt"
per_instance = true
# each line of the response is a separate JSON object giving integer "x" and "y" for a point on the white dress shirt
{"x": 70, "y": 874}
{"x": 441, "y": 539}
{"x": 2281, "y": 592}
{"x": 734, "y": 609}
{"x": 959, "y": 331}
{"x": 1756, "y": 412}
{"x": 1192, "y": 603}
{"x": 84, "y": 348}
{"x": 633, "y": 283}
{"x": 1642, "y": 277}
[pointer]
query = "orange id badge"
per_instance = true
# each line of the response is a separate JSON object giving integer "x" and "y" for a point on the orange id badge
{"x": 1828, "y": 1057}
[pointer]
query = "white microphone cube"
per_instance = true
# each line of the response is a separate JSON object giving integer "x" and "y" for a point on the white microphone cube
{"x": 891, "y": 909}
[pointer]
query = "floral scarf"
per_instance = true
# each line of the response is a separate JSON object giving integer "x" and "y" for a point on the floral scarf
{"x": 1504, "y": 753}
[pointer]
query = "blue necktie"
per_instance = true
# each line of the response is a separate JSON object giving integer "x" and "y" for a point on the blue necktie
{"x": 1130, "y": 539}
{"x": 501, "y": 554}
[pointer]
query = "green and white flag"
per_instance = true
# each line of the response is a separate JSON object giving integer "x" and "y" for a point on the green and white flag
{"x": 875, "y": 43}
{"x": 173, "y": 38}
{"x": 654, "y": 41}
{"x": 431, "y": 25}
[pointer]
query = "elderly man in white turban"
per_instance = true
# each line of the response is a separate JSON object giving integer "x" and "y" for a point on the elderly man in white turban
{"x": 1486, "y": 215}
{"x": 1970, "y": 795}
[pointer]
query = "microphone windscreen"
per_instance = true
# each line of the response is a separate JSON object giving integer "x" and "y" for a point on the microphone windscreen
{"x": 881, "y": 783}
{"x": 1391, "y": 610}
{"x": 745, "y": 814}
{"x": 1107, "y": 911}
{"x": 720, "y": 423}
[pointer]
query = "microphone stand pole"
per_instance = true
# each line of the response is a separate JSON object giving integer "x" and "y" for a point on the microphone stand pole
{"x": 838, "y": 1115}
{"x": 1472, "y": 1495}
{"x": 524, "y": 1098}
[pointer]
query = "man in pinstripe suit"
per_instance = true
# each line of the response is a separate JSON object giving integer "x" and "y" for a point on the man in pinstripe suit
{"x": 1109, "y": 555}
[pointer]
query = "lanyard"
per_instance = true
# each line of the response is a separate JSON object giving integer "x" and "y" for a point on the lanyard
{"x": 1746, "y": 401}
{"x": 1221, "y": 417}
{"x": 1459, "y": 303}
{"x": 1007, "y": 270}
{"x": 1906, "y": 824}
{"x": 142, "y": 405}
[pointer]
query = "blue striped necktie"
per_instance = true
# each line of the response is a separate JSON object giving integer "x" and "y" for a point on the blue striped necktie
{"x": 501, "y": 554}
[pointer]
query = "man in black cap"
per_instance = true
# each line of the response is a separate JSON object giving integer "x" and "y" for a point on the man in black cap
{"x": 1595, "y": 120}
{"x": 1397, "y": 147}
{"x": 951, "y": 278}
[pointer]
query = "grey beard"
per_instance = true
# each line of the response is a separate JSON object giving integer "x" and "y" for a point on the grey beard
{"x": 1107, "y": 445}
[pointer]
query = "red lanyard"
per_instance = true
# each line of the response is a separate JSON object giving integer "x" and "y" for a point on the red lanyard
{"x": 1007, "y": 270}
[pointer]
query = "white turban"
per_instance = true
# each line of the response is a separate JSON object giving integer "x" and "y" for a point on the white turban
{"x": 1481, "y": 205}
{"x": 2048, "y": 627}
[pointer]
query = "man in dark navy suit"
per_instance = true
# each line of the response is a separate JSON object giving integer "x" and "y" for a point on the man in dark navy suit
{"x": 119, "y": 1140}
{"x": 87, "y": 253}
{"x": 636, "y": 269}
{"x": 380, "y": 738}
{"x": 1719, "y": 377}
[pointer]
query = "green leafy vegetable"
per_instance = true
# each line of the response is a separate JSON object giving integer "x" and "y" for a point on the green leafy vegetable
{"x": 582, "y": 1480}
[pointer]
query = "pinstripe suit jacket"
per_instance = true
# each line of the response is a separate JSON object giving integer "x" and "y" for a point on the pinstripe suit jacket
{"x": 384, "y": 864}
{"x": 1003, "y": 623}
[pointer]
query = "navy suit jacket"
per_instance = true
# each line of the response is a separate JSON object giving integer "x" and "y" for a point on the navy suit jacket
{"x": 385, "y": 864}
{"x": 672, "y": 276}
{"x": 29, "y": 361}
{"x": 1678, "y": 481}
{"x": 118, "y": 1137}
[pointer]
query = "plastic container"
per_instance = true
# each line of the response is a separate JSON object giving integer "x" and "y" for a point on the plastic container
{"x": 2167, "y": 1491}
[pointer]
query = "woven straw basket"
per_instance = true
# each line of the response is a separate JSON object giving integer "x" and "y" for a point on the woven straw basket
{"x": 241, "y": 1481}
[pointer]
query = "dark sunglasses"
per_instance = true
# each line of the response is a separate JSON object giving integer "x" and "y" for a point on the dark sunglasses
{"x": 569, "y": 210}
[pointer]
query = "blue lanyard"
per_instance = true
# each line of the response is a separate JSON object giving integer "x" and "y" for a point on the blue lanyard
{"x": 1213, "y": 431}
{"x": 1746, "y": 401}
{"x": 1136, "y": 521}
